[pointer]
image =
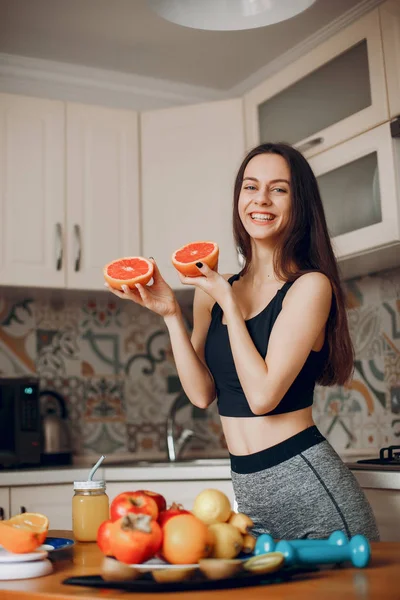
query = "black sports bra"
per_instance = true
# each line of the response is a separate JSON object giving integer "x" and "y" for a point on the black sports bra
{"x": 230, "y": 396}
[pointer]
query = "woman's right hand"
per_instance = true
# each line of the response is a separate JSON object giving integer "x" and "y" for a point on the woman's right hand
{"x": 158, "y": 297}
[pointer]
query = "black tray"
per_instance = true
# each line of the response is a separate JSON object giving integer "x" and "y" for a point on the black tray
{"x": 147, "y": 584}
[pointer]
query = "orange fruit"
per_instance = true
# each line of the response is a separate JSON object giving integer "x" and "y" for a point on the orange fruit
{"x": 128, "y": 271}
{"x": 184, "y": 259}
{"x": 186, "y": 540}
{"x": 24, "y": 532}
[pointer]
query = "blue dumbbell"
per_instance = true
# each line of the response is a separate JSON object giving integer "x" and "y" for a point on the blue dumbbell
{"x": 357, "y": 551}
{"x": 265, "y": 543}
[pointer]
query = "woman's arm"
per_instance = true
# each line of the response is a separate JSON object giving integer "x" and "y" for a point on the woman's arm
{"x": 189, "y": 355}
{"x": 194, "y": 375}
{"x": 303, "y": 317}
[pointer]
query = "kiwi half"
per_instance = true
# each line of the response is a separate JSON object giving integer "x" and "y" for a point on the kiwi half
{"x": 114, "y": 570}
{"x": 220, "y": 568}
{"x": 172, "y": 575}
{"x": 264, "y": 563}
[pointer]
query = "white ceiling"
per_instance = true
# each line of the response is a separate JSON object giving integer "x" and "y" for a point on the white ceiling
{"x": 126, "y": 36}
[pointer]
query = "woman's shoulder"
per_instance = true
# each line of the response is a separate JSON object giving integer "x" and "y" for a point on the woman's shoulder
{"x": 314, "y": 278}
{"x": 313, "y": 284}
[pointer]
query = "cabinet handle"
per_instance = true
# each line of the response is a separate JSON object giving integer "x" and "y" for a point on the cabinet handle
{"x": 310, "y": 144}
{"x": 22, "y": 509}
{"x": 78, "y": 245}
{"x": 1, "y": 513}
{"x": 59, "y": 247}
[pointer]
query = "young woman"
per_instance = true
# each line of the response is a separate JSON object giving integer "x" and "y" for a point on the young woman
{"x": 261, "y": 340}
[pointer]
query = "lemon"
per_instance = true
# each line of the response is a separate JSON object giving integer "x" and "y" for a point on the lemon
{"x": 212, "y": 506}
{"x": 228, "y": 541}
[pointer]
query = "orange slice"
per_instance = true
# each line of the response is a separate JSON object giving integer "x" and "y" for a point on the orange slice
{"x": 24, "y": 532}
{"x": 128, "y": 271}
{"x": 184, "y": 259}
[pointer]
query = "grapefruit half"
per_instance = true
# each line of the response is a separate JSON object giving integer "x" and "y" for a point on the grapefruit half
{"x": 184, "y": 259}
{"x": 128, "y": 271}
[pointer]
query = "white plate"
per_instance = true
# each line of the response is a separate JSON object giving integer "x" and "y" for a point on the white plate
{"x": 12, "y": 557}
{"x": 25, "y": 571}
{"x": 156, "y": 564}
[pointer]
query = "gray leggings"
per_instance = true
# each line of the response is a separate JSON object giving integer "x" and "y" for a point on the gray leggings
{"x": 301, "y": 488}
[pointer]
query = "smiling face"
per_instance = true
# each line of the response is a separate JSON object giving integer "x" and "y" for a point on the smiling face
{"x": 264, "y": 200}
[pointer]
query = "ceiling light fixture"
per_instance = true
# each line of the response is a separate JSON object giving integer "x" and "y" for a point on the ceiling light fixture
{"x": 228, "y": 15}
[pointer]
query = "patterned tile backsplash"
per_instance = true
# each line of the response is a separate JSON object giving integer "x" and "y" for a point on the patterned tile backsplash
{"x": 112, "y": 360}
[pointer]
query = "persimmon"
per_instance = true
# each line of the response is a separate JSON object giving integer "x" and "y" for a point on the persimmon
{"x": 135, "y": 538}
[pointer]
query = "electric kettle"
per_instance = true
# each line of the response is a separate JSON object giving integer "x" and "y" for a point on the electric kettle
{"x": 56, "y": 446}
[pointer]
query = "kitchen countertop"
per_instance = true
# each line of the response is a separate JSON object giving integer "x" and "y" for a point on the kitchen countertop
{"x": 154, "y": 472}
{"x": 379, "y": 580}
{"x": 215, "y": 469}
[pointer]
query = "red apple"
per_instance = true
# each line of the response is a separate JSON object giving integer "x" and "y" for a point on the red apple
{"x": 161, "y": 502}
{"x": 133, "y": 502}
{"x": 174, "y": 510}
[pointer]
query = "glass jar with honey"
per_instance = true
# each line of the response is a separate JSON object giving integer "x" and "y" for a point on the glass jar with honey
{"x": 90, "y": 507}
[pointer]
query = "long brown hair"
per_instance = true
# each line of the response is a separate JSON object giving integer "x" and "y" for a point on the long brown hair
{"x": 304, "y": 246}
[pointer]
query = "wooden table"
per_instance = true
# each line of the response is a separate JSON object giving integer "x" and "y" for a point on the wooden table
{"x": 380, "y": 580}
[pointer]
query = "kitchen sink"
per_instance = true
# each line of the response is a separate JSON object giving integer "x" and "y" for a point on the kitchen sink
{"x": 205, "y": 462}
{"x": 182, "y": 462}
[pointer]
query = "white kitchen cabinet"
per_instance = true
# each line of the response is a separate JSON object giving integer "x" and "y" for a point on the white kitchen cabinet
{"x": 390, "y": 23}
{"x": 189, "y": 159}
{"x": 359, "y": 189}
{"x": 32, "y": 224}
{"x": 385, "y": 505}
{"x": 181, "y": 492}
{"x": 54, "y": 501}
{"x": 69, "y": 197}
{"x": 102, "y": 191}
{"x": 331, "y": 94}
{"x": 5, "y": 502}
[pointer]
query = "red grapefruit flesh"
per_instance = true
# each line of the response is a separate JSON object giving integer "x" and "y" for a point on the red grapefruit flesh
{"x": 184, "y": 259}
{"x": 128, "y": 271}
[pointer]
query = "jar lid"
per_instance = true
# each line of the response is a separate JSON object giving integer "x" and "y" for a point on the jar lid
{"x": 89, "y": 485}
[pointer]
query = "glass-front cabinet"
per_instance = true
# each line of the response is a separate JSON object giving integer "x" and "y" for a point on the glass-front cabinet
{"x": 357, "y": 181}
{"x": 389, "y": 13}
{"x": 331, "y": 94}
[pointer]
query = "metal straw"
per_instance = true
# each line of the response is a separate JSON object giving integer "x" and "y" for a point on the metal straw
{"x": 96, "y": 466}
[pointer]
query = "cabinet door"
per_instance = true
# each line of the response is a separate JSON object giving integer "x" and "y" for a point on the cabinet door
{"x": 4, "y": 503}
{"x": 54, "y": 501}
{"x": 390, "y": 22}
{"x": 331, "y": 94}
{"x": 385, "y": 505}
{"x": 181, "y": 492}
{"x": 357, "y": 181}
{"x": 190, "y": 156}
{"x": 31, "y": 191}
{"x": 102, "y": 191}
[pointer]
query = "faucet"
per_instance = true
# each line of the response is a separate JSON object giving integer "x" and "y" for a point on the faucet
{"x": 175, "y": 446}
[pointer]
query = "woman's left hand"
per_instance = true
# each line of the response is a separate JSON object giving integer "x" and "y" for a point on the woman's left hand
{"x": 212, "y": 283}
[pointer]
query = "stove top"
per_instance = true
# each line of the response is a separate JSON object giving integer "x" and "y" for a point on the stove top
{"x": 387, "y": 457}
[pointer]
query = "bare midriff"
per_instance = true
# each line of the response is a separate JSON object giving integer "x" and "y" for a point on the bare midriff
{"x": 247, "y": 435}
